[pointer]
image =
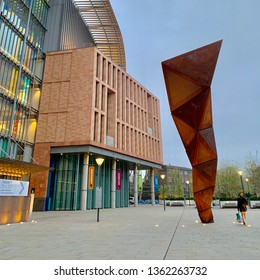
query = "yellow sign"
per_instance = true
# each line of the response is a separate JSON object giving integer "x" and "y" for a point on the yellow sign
{"x": 91, "y": 177}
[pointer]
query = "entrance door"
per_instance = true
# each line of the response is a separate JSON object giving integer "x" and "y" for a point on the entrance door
{"x": 66, "y": 184}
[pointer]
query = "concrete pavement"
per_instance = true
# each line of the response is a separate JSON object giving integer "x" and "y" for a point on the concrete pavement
{"x": 144, "y": 232}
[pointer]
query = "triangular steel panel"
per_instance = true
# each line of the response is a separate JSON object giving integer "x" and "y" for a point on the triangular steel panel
{"x": 179, "y": 89}
{"x": 198, "y": 65}
{"x": 206, "y": 118}
{"x": 203, "y": 198}
{"x": 208, "y": 170}
{"x": 192, "y": 111}
{"x": 186, "y": 132}
{"x": 208, "y": 135}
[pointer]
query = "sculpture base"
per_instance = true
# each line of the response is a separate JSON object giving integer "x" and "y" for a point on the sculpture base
{"x": 206, "y": 216}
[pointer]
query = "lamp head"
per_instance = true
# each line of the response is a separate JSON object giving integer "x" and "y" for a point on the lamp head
{"x": 99, "y": 161}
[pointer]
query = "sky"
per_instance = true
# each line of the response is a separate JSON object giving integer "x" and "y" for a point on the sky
{"x": 157, "y": 30}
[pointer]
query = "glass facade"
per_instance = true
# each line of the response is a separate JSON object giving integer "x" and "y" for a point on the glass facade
{"x": 22, "y": 30}
{"x": 64, "y": 190}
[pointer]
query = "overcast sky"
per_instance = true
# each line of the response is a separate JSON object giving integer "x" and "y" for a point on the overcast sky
{"x": 156, "y": 30}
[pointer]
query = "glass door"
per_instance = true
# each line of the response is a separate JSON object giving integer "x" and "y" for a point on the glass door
{"x": 66, "y": 183}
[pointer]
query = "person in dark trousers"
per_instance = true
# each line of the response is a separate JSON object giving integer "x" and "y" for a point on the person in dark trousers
{"x": 242, "y": 207}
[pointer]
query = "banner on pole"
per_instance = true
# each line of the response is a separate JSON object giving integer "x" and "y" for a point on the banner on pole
{"x": 91, "y": 177}
{"x": 140, "y": 183}
{"x": 156, "y": 183}
{"x": 118, "y": 179}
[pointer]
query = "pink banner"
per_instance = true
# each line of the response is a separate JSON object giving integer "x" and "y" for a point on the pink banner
{"x": 118, "y": 179}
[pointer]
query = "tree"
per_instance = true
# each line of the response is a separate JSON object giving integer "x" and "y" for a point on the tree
{"x": 178, "y": 184}
{"x": 131, "y": 182}
{"x": 252, "y": 166}
{"x": 177, "y": 187}
{"x": 228, "y": 181}
{"x": 164, "y": 192}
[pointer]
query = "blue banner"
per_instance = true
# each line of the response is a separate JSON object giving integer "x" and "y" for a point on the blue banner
{"x": 156, "y": 183}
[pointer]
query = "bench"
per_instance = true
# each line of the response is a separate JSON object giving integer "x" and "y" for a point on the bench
{"x": 177, "y": 203}
{"x": 256, "y": 205}
{"x": 229, "y": 205}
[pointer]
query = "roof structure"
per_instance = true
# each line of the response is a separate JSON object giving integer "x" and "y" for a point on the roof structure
{"x": 14, "y": 167}
{"x": 102, "y": 24}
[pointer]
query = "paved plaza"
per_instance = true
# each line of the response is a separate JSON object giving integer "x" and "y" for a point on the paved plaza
{"x": 144, "y": 232}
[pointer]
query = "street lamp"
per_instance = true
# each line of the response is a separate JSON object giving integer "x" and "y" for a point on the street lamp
{"x": 248, "y": 191}
{"x": 188, "y": 183}
{"x": 99, "y": 162}
{"x": 240, "y": 174}
{"x": 162, "y": 177}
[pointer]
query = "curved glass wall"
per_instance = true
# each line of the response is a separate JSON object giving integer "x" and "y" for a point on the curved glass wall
{"x": 102, "y": 24}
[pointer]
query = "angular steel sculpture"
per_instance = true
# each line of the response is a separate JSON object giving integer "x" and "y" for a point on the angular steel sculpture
{"x": 188, "y": 79}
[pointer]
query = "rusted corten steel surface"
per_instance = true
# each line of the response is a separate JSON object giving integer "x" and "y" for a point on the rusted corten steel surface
{"x": 188, "y": 80}
{"x": 14, "y": 209}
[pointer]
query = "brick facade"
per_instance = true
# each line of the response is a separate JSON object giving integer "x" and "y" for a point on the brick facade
{"x": 89, "y": 100}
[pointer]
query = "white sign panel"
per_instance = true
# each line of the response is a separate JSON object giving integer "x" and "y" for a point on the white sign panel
{"x": 98, "y": 197}
{"x": 13, "y": 188}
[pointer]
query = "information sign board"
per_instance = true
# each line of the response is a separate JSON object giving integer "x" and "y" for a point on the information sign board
{"x": 13, "y": 188}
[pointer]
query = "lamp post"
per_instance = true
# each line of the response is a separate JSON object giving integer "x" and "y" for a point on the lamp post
{"x": 162, "y": 177}
{"x": 99, "y": 162}
{"x": 248, "y": 191}
{"x": 188, "y": 183}
{"x": 240, "y": 174}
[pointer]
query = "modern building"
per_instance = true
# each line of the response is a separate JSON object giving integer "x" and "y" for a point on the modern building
{"x": 78, "y": 106}
{"x": 78, "y": 24}
{"x": 23, "y": 26}
{"x": 66, "y": 100}
{"x": 22, "y": 31}
{"x": 91, "y": 108}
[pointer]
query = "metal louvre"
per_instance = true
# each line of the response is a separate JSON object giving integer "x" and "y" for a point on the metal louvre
{"x": 102, "y": 24}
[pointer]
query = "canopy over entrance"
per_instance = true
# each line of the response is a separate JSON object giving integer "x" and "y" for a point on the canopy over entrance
{"x": 14, "y": 167}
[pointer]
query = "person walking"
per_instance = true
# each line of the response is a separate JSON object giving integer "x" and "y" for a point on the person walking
{"x": 242, "y": 207}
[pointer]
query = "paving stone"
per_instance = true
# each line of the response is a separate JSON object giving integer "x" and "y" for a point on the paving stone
{"x": 144, "y": 232}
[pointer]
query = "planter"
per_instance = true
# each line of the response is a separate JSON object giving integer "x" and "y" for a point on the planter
{"x": 189, "y": 202}
{"x": 173, "y": 202}
{"x": 253, "y": 204}
{"x": 228, "y": 204}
